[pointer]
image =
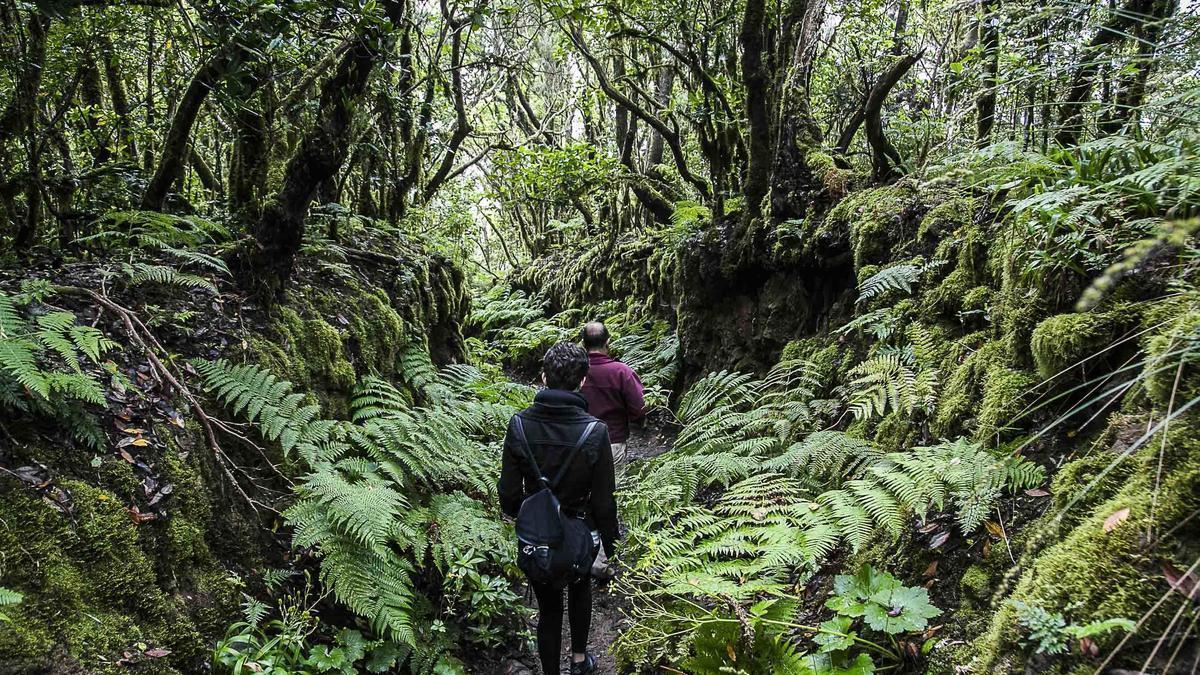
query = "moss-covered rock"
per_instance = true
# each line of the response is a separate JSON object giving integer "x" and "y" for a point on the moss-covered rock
{"x": 1066, "y": 340}
{"x": 91, "y": 589}
{"x": 1098, "y": 565}
{"x": 1171, "y": 328}
{"x": 1005, "y": 391}
{"x": 878, "y": 220}
{"x": 969, "y": 368}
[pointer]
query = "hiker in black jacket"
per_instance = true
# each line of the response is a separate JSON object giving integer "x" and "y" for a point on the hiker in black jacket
{"x": 552, "y": 427}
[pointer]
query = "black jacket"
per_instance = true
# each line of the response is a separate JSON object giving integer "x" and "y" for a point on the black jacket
{"x": 553, "y": 424}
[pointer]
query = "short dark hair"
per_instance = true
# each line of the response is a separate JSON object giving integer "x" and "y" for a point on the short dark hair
{"x": 565, "y": 365}
{"x": 595, "y": 335}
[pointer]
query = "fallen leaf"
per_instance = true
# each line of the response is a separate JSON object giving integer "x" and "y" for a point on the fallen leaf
{"x": 138, "y": 517}
{"x": 759, "y": 514}
{"x": 931, "y": 569}
{"x": 994, "y": 529}
{"x": 732, "y": 654}
{"x": 939, "y": 539}
{"x": 1117, "y": 517}
{"x": 1088, "y": 647}
{"x": 987, "y": 547}
{"x": 128, "y": 440}
{"x": 141, "y": 442}
{"x": 157, "y": 652}
{"x": 128, "y": 457}
{"x": 928, "y": 527}
{"x": 134, "y": 431}
{"x": 1037, "y": 492}
{"x": 1185, "y": 583}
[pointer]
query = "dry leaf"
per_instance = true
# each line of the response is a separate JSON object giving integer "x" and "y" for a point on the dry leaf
{"x": 134, "y": 431}
{"x": 1037, "y": 492}
{"x": 1118, "y": 517}
{"x": 157, "y": 652}
{"x": 1088, "y": 647}
{"x": 939, "y": 539}
{"x": 994, "y": 528}
{"x": 1183, "y": 582}
{"x": 732, "y": 654}
{"x": 141, "y": 442}
{"x": 128, "y": 457}
{"x": 931, "y": 569}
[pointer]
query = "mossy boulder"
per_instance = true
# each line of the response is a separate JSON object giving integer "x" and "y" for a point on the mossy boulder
{"x": 1172, "y": 331}
{"x": 91, "y": 588}
{"x": 1099, "y": 564}
{"x": 1066, "y": 340}
{"x": 879, "y": 219}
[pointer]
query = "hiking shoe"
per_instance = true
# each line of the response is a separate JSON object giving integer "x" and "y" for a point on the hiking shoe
{"x": 585, "y": 667}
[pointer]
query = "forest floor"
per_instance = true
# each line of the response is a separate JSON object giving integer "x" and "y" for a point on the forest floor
{"x": 608, "y": 608}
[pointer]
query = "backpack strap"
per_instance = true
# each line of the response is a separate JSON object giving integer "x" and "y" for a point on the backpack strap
{"x": 562, "y": 470}
{"x": 519, "y": 429}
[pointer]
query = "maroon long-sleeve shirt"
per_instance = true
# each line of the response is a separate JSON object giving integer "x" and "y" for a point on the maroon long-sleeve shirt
{"x": 614, "y": 394}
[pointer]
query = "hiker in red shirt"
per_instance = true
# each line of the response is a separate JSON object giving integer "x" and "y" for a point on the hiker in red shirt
{"x": 613, "y": 391}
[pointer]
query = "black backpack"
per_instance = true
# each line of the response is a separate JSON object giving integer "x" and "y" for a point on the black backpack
{"x": 552, "y": 547}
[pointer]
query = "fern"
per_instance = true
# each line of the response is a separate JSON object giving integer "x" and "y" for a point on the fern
{"x": 41, "y": 367}
{"x": 895, "y": 278}
{"x": 8, "y": 598}
{"x": 397, "y": 487}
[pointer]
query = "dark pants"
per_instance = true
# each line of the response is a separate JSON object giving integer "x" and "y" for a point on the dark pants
{"x": 550, "y": 616}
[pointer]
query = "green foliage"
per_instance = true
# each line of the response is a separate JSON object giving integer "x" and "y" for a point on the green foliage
{"x": 281, "y": 640}
{"x": 42, "y": 354}
{"x": 882, "y": 601}
{"x": 8, "y": 598}
{"x": 181, "y": 240}
{"x": 894, "y": 278}
{"x": 397, "y": 489}
{"x": 1049, "y": 633}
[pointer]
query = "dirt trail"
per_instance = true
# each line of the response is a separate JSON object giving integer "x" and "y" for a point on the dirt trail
{"x": 607, "y": 607}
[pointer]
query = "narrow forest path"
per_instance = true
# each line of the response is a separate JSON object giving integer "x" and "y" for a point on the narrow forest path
{"x": 608, "y": 606}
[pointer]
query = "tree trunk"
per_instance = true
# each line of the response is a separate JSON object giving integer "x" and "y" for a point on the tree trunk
{"x": 758, "y": 107}
{"x": 118, "y": 98}
{"x": 176, "y": 146}
{"x": 18, "y": 120}
{"x": 248, "y": 164}
{"x": 985, "y": 102}
{"x": 90, "y": 92}
{"x": 1132, "y": 91}
{"x": 279, "y": 233}
{"x": 1115, "y": 30}
{"x": 886, "y": 162}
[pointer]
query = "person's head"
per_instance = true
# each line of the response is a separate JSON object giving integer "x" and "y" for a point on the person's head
{"x": 564, "y": 366}
{"x": 595, "y": 337}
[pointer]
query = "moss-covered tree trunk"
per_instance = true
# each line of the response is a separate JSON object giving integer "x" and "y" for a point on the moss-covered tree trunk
{"x": 279, "y": 232}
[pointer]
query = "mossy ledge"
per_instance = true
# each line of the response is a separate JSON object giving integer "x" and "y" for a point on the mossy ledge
{"x": 97, "y": 580}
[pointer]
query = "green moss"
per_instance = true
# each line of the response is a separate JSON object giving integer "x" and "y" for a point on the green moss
{"x": 896, "y": 432}
{"x": 964, "y": 252}
{"x": 824, "y": 354}
{"x": 950, "y": 215}
{"x": 976, "y": 299}
{"x": 964, "y": 390}
{"x": 976, "y": 586}
{"x": 89, "y": 585}
{"x": 1065, "y": 340}
{"x": 834, "y": 178}
{"x": 1092, "y": 572}
{"x": 1004, "y": 393}
{"x": 1170, "y": 326}
{"x": 878, "y": 220}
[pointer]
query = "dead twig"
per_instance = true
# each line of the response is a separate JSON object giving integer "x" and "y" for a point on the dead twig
{"x": 144, "y": 339}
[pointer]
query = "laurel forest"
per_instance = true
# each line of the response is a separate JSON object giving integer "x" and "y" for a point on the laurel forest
{"x": 911, "y": 287}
